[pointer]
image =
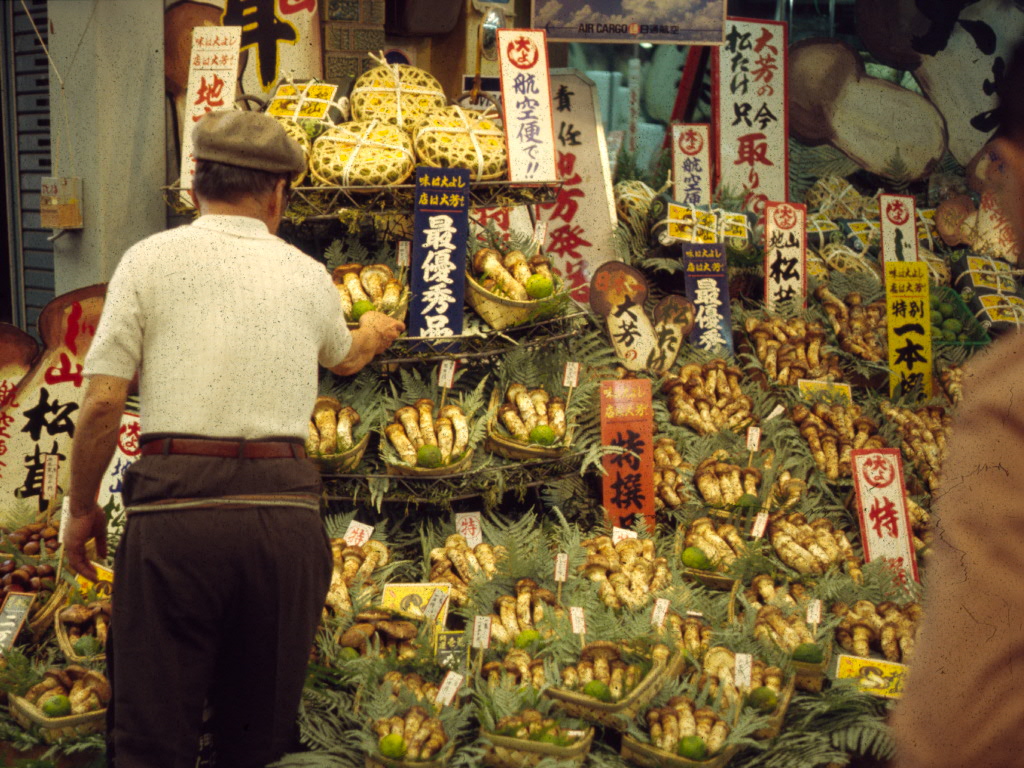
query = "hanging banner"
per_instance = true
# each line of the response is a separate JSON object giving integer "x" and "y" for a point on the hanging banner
{"x": 909, "y": 328}
{"x": 526, "y": 105}
{"x": 899, "y": 227}
{"x": 627, "y": 421}
{"x": 212, "y": 84}
{"x": 749, "y": 103}
{"x": 785, "y": 254}
{"x": 691, "y": 164}
{"x": 438, "y": 274}
{"x": 882, "y": 510}
{"x": 582, "y": 220}
{"x": 708, "y": 288}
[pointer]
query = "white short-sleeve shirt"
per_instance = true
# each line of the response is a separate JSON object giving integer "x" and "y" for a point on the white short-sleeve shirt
{"x": 225, "y": 324}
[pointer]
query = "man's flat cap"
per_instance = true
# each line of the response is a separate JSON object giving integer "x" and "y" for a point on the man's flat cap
{"x": 247, "y": 139}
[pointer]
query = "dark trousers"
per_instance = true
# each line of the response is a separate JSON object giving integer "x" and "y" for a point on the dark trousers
{"x": 216, "y": 605}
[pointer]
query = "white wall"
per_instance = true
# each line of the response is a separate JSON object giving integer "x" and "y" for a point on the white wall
{"x": 107, "y": 128}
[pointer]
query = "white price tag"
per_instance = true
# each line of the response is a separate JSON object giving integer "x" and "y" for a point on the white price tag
{"x": 561, "y": 567}
{"x": 776, "y": 412}
{"x": 404, "y": 253}
{"x": 577, "y": 620}
{"x": 571, "y": 377}
{"x": 744, "y": 664}
{"x": 468, "y": 525}
{"x": 434, "y": 605}
{"x": 753, "y": 438}
{"x": 446, "y": 374}
{"x": 619, "y": 534}
{"x": 659, "y": 612}
{"x": 50, "y": 472}
{"x": 481, "y": 632}
{"x": 540, "y": 233}
{"x": 357, "y": 534}
{"x": 449, "y": 687}
{"x": 760, "y": 524}
{"x": 814, "y": 612}
{"x": 694, "y": 614}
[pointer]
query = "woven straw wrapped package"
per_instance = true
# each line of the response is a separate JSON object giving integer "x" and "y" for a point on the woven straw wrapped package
{"x": 396, "y": 93}
{"x": 362, "y": 154}
{"x": 298, "y": 133}
{"x": 454, "y": 138}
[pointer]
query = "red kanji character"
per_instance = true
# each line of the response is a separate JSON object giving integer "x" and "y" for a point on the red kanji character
{"x": 128, "y": 438}
{"x": 753, "y": 149}
{"x": 884, "y": 518}
{"x": 210, "y": 93}
{"x": 289, "y": 7}
{"x": 64, "y": 372}
{"x": 763, "y": 41}
{"x": 764, "y": 68}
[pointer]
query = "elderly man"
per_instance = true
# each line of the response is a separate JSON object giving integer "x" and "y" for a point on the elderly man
{"x": 224, "y": 564}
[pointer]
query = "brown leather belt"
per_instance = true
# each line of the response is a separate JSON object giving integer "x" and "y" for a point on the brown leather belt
{"x": 225, "y": 449}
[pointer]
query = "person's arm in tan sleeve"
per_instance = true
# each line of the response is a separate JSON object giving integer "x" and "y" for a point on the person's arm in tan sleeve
{"x": 376, "y": 332}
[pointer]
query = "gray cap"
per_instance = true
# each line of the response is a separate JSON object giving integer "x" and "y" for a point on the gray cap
{"x": 247, "y": 139}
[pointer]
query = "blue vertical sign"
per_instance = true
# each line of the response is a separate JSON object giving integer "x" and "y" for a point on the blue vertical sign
{"x": 708, "y": 288}
{"x": 438, "y": 277}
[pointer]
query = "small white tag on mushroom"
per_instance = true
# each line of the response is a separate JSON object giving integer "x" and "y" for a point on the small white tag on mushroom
{"x": 777, "y": 411}
{"x": 481, "y": 632}
{"x": 620, "y": 534}
{"x": 404, "y": 253}
{"x": 561, "y": 567}
{"x": 574, "y": 734}
{"x": 571, "y": 377}
{"x": 814, "y": 612}
{"x": 753, "y": 439}
{"x": 449, "y": 687}
{"x": 760, "y": 524}
{"x": 694, "y": 615}
{"x": 357, "y": 534}
{"x": 446, "y": 374}
{"x": 468, "y": 525}
{"x": 659, "y": 612}
{"x": 577, "y": 620}
{"x": 540, "y": 233}
{"x": 434, "y": 605}
{"x": 744, "y": 663}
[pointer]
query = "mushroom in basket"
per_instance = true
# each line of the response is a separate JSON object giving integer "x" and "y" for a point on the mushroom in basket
{"x": 532, "y": 415}
{"x": 424, "y": 441}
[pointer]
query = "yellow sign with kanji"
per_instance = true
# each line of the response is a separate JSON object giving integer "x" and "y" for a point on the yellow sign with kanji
{"x": 832, "y": 391}
{"x": 874, "y": 676}
{"x": 310, "y": 100}
{"x": 412, "y": 599}
{"x": 691, "y": 225}
{"x": 908, "y": 316}
{"x": 104, "y": 583}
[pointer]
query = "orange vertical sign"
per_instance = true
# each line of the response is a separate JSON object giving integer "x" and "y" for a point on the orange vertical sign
{"x": 627, "y": 421}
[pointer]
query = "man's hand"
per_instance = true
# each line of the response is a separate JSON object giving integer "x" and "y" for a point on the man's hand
{"x": 82, "y": 525}
{"x": 385, "y": 329}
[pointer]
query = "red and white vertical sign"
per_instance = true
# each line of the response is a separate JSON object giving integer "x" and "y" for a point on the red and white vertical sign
{"x": 526, "y": 104}
{"x": 468, "y": 525}
{"x": 785, "y": 254}
{"x": 627, "y": 422}
{"x": 212, "y": 80}
{"x": 882, "y": 509}
{"x": 898, "y": 214}
{"x": 749, "y": 98}
{"x": 691, "y": 164}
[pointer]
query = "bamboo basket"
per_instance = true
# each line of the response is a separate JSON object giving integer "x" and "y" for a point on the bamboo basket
{"x": 776, "y": 718}
{"x": 67, "y": 647}
{"x": 508, "y": 752}
{"x": 505, "y": 446}
{"x": 618, "y": 714}
{"x": 811, "y": 677}
{"x": 500, "y": 312}
{"x": 377, "y": 760}
{"x": 53, "y": 729}
{"x": 43, "y": 618}
{"x": 649, "y": 756}
{"x": 342, "y": 462}
{"x": 404, "y": 470}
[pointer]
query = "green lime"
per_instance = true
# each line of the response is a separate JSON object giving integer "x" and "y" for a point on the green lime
{"x": 962, "y": 337}
{"x": 348, "y": 654}
{"x": 763, "y": 699}
{"x": 692, "y": 748}
{"x": 87, "y": 645}
{"x": 539, "y": 286}
{"x": 526, "y": 638}
{"x": 542, "y": 434}
{"x": 748, "y": 500}
{"x": 360, "y": 308}
{"x": 948, "y": 335}
{"x": 808, "y": 652}
{"x": 934, "y": 301}
{"x": 937, "y": 317}
{"x": 937, "y": 332}
{"x": 392, "y": 745}
{"x": 598, "y": 690}
{"x": 695, "y": 557}
{"x": 947, "y": 309}
{"x": 428, "y": 456}
{"x": 56, "y": 705}
{"x": 952, "y": 324}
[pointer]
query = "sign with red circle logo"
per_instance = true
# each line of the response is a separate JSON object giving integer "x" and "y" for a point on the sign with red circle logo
{"x": 522, "y": 52}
